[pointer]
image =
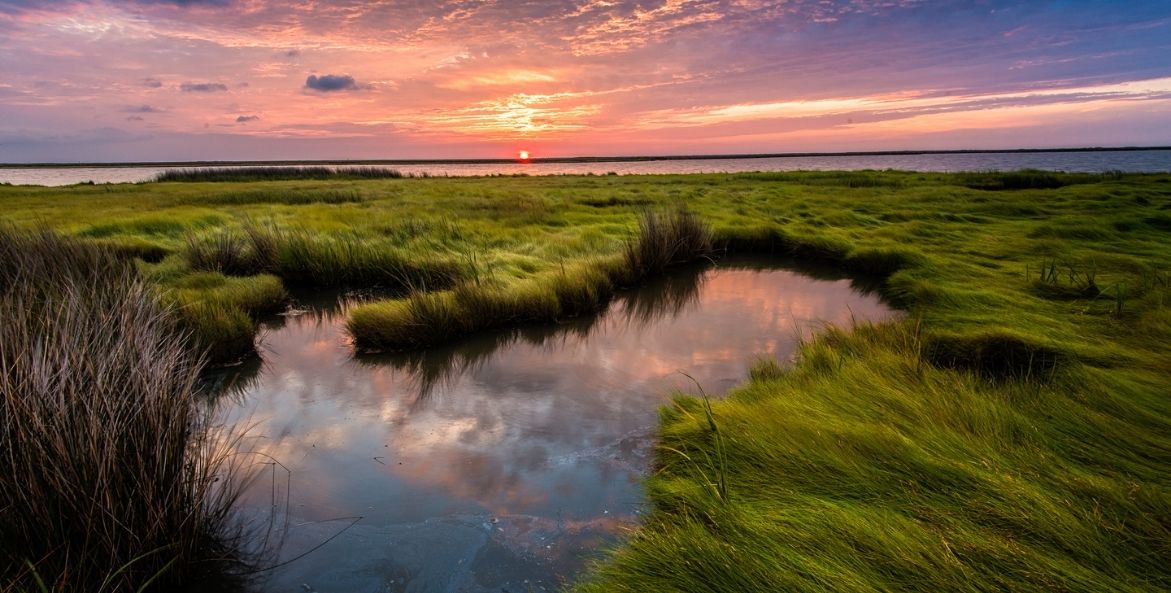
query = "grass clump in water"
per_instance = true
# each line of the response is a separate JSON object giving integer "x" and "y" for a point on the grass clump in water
{"x": 108, "y": 478}
{"x": 427, "y": 318}
{"x": 240, "y": 174}
{"x": 221, "y": 312}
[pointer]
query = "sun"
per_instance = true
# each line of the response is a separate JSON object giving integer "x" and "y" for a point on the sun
{"x": 523, "y": 155}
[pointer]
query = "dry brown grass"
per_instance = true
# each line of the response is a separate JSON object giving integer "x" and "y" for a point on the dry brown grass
{"x": 108, "y": 478}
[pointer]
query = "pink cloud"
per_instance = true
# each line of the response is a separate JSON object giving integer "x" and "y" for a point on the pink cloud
{"x": 616, "y": 76}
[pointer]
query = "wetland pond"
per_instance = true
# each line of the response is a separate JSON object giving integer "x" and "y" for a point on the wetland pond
{"x": 505, "y": 461}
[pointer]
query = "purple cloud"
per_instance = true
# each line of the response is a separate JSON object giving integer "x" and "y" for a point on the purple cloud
{"x": 203, "y": 87}
{"x": 330, "y": 83}
{"x": 473, "y": 78}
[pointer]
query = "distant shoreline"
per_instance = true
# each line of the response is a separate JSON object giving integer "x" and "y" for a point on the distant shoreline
{"x": 563, "y": 160}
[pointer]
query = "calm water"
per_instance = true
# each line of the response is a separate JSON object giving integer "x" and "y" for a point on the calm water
{"x": 1132, "y": 161}
{"x": 504, "y": 461}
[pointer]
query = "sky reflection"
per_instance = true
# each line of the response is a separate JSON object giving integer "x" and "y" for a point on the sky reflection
{"x": 530, "y": 442}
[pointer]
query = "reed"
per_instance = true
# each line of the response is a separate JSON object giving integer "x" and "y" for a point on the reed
{"x": 108, "y": 476}
{"x": 667, "y": 239}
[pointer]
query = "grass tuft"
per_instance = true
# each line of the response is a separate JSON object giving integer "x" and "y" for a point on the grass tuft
{"x": 428, "y": 318}
{"x": 667, "y": 239}
{"x": 108, "y": 478}
{"x": 1029, "y": 179}
{"x": 765, "y": 369}
{"x": 994, "y": 355}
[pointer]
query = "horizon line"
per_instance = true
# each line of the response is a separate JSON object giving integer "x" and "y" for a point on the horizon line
{"x": 568, "y": 159}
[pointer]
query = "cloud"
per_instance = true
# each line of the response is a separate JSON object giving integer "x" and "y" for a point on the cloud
{"x": 243, "y": 119}
{"x": 187, "y": 2}
{"x": 17, "y": 6}
{"x": 579, "y": 75}
{"x": 135, "y": 118}
{"x": 203, "y": 87}
{"x": 331, "y": 82}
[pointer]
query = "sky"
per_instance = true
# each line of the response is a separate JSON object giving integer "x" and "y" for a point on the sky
{"x": 175, "y": 80}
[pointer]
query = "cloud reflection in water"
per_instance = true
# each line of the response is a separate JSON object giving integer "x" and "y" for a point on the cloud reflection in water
{"x": 533, "y": 438}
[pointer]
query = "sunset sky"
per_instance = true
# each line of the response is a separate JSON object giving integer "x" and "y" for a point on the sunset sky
{"x": 307, "y": 79}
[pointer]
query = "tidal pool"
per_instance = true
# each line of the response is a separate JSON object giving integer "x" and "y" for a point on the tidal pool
{"x": 507, "y": 460}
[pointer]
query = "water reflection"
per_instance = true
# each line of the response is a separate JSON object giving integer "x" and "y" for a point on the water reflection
{"x": 442, "y": 366}
{"x": 1154, "y": 160}
{"x": 507, "y": 457}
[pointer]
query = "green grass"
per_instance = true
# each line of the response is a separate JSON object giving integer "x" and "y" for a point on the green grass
{"x": 1011, "y": 433}
{"x": 245, "y": 174}
{"x": 1029, "y": 179}
{"x": 427, "y": 318}
{"x": 864, "y": 469}
{"x": 337, "y": 259}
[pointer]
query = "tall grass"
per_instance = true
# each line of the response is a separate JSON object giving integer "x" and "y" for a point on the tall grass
{"x": 1030, "y": 179}
{"x": 666, "y": 239}
{"x": 220, "y": 313}
{"x": 428, "y": 318}
{"x": 862, "y": 470}
{"x": 637, "y": 308}
{"x": 223, "y": 174}
{"x": 302, "y": 257}
{"x": 108, "y": 479}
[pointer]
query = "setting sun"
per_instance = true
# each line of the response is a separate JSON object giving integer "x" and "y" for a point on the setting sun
{"x": 523, "y": 155}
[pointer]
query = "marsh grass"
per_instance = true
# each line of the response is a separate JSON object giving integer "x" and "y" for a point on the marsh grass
{"x": 963, "y": 485}
{"x": 635, "y": 309}
{"x": 1004, "y": 436}
{"x": 995, "y": 355}
{"x": 108, "y": 476}
{"x": 220, "y": 313}
{"x": 1030, "y": 179}
{"x": 848, "y": 179}
{"x": 225, "y": 252}
{"x": 290, "y": 197}
{"x": 663, "y": 240}
{"x": 666, "y": 239}
{"x": 239, "y": 174}
{"x": 301, "y": 257}
{"x": 1066, "y": 282}
{"x": 134, "y": 247}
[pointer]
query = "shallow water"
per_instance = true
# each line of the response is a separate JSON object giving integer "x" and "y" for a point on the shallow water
{"x": 1137, "y": 161}
{"x": 504, "y": 461}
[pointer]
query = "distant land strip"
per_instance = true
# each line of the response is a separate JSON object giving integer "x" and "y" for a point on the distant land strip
{"x": 575, "y": 159}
